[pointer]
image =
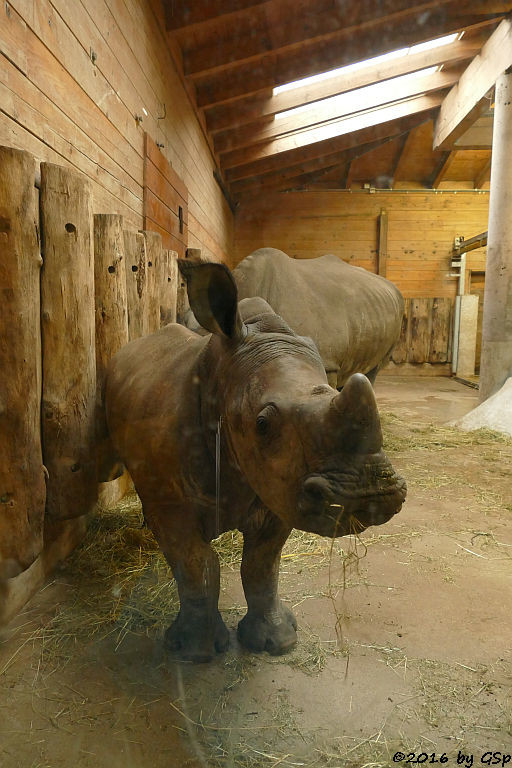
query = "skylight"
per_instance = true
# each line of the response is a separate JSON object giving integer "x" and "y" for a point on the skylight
{"x": 402, "y": 52}
{"x": 371, "y": 96}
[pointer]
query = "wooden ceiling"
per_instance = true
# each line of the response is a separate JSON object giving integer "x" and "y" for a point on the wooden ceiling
{"x": 232, "y": 54}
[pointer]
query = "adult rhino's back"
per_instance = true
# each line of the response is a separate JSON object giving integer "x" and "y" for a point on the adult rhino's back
{"x": 353, "y": 315}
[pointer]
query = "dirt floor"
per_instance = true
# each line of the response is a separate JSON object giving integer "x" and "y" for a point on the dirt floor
{"x": 421, "y": 662}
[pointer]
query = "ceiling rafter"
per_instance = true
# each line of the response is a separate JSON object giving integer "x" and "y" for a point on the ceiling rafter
{"x": 250, "y": 109}
{"x": 278, "y": 26}
{"x": 442, "y": 169}
{"x": 296, "y": 176}
{"x": 311, "y": 142}
{"x": 467, "y": 99}
{"x": 191, "y": 12}
{"x": 484, "y": 175}
{"x": 355, "y": 103}
{"x": 317, "y": 155}
{"x": 322, "y": 55}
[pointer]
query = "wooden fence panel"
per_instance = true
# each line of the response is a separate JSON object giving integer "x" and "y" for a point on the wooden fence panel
{"x": 440, "y": 339}
{"x": 111, "y": 321}
{"x": 155, "y": 277}
{"x": 420, "y": 321}
{"x": 136, "y": 282}
{"x": 68, "y": 342}
{"x": 22, "y": 484}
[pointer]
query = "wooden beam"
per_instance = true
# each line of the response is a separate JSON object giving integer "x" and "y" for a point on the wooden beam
{"x": 348, "y": 105}
{"x": 254, "y": 108}
{"x": 348, "y": 129}
{"x": 189, "y": 12}
{"x": 399, "y": 156}
{"x": 331, "y": 153}
{"x": 328, "y": 52}
{"x": 382, "y": 252}
{"x": 466, "y": 101}
{"x": 484, "y": 175}
{"x": 282, "y": 24}
{"x": 294, "y": 181}
{"x": 478, "y": 241}
{"x": 283, "y": 177}
{"x": 443, "y": 168}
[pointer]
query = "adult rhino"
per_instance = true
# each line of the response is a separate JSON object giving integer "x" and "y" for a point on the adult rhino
{"x": 353, "y": 315}
{"x": 252, "y": 399}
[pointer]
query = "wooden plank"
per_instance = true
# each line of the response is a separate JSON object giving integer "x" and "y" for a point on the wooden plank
{"x": 111, "y": 321}
{"x": 440, "y": 336}
{"x": 382, "y": 255}
{"x": 155, "y": 277}
{"x": 22, "y": 485}
{"x": 443, "y": 168}
{"x": 136, "y": 276}
{"x": 169, "y": 288}
{"x": 160, "y": 214}
{"x": 420, "y": 320}
{"x": 182, "y": 15}
{"x": 14, "y": 32}
{"x": 467, "y": 99}
{"x": 399, "y": 354}
{"x": 68, "y": 343}
{"x": 160, "y": 161}
{"x": 257, "y": 108}
{"x": 161, "y": 187}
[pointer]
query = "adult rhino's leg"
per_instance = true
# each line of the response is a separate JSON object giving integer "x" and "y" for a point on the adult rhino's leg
{"x": 268, "y": 625}
{"x": 198, "y": 630}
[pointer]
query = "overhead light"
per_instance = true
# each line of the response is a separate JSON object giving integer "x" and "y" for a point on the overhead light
{"x": 144, "y": 110}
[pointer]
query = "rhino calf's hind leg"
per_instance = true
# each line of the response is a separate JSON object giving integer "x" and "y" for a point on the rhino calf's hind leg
{"x": 268, "y": 625}
{"x": 198, "y": 631}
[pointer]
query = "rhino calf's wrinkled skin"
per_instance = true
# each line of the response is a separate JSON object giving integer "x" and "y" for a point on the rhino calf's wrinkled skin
{"x": 294, "y": 453}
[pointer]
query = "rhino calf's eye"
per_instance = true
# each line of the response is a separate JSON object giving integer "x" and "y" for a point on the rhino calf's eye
{"x": 262, "y": 425}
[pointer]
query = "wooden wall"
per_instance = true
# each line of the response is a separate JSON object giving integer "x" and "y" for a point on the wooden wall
{"x": 73, "y": 76}
{"x": 421, "y": 229}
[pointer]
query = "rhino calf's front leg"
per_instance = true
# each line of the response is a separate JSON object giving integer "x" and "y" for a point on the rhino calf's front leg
{"x": 198, "y": 631}
{"x": 268, "y": 625}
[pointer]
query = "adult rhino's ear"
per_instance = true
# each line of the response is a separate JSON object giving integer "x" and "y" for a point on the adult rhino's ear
{"x": 213, "y": 297}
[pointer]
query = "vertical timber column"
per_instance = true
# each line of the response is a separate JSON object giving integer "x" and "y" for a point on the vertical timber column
{"x": 169, "y": 293}
{"x": 136, "y": 276}
{"x": 22, "y": 484}
{"x": 496, "y": 358}
{"x": 111, "y": 322}
{"x": 155, "y": 277}
{"x": 69, "y": 362}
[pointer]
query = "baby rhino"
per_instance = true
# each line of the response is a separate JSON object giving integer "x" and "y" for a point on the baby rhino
{"x": 239, "y": 429}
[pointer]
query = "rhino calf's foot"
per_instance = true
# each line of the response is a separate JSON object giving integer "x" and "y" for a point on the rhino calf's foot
{"x": 195, "y": 639}
{"x": 274, "y": 632}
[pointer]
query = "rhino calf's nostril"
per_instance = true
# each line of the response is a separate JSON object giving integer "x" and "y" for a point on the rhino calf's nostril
{"x": 315, "y": 489}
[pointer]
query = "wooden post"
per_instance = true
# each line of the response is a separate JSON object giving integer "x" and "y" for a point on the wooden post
{"x": 169, "y": 291}
{"x": 136, "y": 277}
{"x": 155, "y": 276}
{"x": 68, "y": 330}
{"x": 382, "y": 253}
{"x": 111, "y": 322}
{"x": 22, "y": 485}
{"x": 496, "y": 358}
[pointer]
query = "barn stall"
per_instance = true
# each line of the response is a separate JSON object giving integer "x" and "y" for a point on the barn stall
{"x": 134, "y": 132}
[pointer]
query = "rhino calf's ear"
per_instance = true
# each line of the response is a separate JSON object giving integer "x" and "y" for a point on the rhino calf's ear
{"x": 213, "y": 297}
